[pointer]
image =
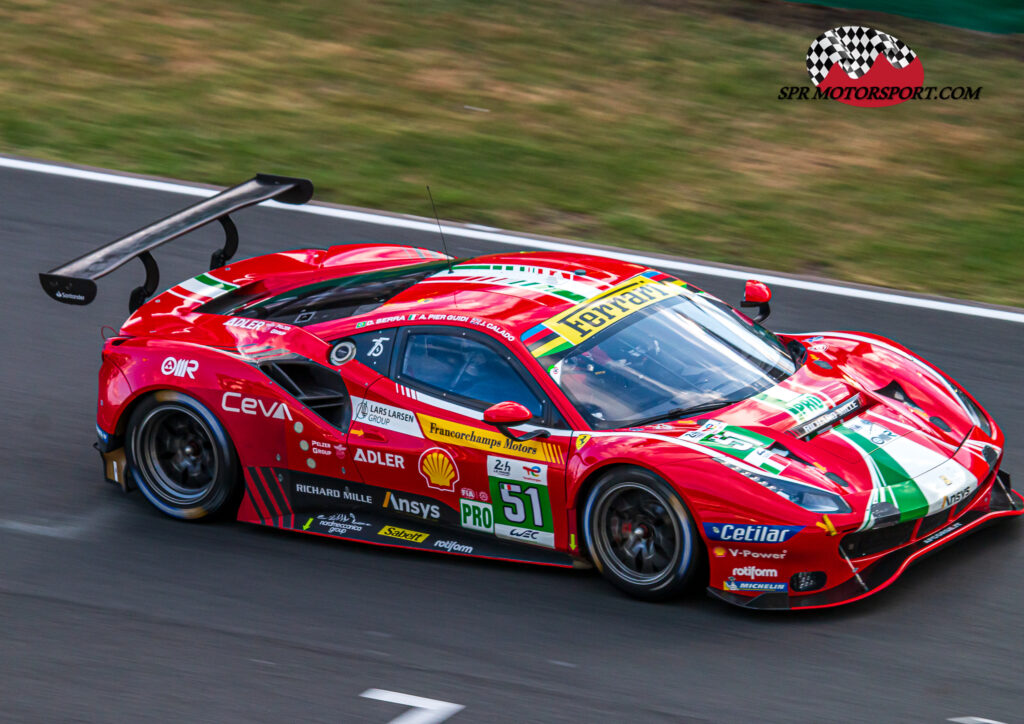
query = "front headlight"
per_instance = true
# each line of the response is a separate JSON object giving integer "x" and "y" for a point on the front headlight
{"x": 806, "y": 496}
{"x": 977, "y": 415}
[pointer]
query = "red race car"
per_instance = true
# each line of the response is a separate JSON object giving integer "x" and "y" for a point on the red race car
{"x": 559, "y": 409}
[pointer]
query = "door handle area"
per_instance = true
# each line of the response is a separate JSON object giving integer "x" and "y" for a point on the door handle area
{"x": 370, "y": 435}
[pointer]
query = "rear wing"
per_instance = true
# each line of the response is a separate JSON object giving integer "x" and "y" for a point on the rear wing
{"x": 75, "y": 282}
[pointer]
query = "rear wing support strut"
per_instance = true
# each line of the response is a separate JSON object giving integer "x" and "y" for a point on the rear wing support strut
{"x": 75, "y": 281}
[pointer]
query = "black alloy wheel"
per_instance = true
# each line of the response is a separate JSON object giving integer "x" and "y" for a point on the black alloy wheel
{"x": 180, "y": 456}
{"x": 639, "y": 534}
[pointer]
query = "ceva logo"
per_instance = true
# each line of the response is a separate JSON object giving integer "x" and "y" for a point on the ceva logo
{"x": 861, "y": 66}
{"x": 235, "y": 402}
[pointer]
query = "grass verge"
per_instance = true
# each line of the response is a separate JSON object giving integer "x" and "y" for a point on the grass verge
{"x": 642, "y": 125}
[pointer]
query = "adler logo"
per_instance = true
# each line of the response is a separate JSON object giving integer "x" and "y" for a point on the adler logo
{"x": 243, "y": 323}
{"x": 235, "y": 402}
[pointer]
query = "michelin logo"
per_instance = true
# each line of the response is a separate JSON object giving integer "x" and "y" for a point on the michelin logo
{"x": 757, "y": 586}
{"x": 734, "y": 533}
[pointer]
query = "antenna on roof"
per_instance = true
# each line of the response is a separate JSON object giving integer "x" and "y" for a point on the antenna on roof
{"x": 439, "y": 230}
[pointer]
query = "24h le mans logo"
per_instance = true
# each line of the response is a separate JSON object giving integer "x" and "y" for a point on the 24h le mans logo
{"x": 862, "y": 66}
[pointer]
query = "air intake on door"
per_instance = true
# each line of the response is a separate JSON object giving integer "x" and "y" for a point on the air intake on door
{"x": 316, "y": 387}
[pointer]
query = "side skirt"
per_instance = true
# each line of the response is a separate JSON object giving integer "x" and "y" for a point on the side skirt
{"x": 266, "y": 503}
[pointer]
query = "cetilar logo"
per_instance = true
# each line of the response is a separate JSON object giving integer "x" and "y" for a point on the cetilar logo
{"x": 865, "y": 67}
{"x": 732, "y": 532}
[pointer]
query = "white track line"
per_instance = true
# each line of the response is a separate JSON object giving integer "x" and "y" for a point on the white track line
{"x": 502, "y": 237}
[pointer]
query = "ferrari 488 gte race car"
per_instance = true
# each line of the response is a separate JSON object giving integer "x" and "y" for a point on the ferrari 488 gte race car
{"x": 550, "y": 408}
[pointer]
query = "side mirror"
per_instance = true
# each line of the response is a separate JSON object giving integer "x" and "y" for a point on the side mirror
{"x": 757, "y": 294}
{"x": 505, "y": 414}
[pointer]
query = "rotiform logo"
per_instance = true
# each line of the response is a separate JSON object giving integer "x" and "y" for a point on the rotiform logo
{"x": 861, "y": 66}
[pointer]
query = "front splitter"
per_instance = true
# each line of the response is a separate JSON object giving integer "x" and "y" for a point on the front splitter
{"x": 871, "y": 579}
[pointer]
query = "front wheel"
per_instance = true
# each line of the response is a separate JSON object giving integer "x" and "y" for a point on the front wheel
{"x": 639, "y": 534}
{"x": 180, "y": 457}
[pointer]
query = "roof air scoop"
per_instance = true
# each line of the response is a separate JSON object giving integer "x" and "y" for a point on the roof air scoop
{"x": 894, "y": 391}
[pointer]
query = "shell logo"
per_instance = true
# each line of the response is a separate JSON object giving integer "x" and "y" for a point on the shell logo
{"x": 719, "y": 551}
{"x": 438, "y": 468}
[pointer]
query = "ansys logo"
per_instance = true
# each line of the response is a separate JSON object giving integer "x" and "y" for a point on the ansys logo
{"x": 861, "y": 66}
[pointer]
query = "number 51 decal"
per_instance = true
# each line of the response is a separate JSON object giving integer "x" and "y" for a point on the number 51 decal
{"x": 523, "y": 513}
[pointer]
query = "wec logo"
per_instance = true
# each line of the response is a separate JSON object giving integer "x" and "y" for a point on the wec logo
{"x": 179, "y": 367}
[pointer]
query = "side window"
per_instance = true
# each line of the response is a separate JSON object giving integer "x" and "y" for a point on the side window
{"x": 459, "y": 366}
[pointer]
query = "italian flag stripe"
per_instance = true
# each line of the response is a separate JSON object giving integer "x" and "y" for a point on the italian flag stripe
{"x": 212, "y": 281}
{"x": 202, "y": 287}
{"x": 904, "y": 492}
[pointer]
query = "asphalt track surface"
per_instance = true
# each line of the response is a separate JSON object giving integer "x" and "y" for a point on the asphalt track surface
{"x": 111, "y": 612}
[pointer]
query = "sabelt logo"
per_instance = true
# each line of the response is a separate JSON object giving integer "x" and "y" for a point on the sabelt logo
{"x": 438, "y": 468}
{"x": 236, "y": 402}
{"x": 578, "y": 323}
{"x": 412, "y": 507}
{"x": 410, "y": 536}
{"x": 454, "y": 433}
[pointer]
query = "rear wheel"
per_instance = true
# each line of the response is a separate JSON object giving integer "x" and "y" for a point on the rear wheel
{"x": 180, "y": 457}
{"x": 639, "y": 534}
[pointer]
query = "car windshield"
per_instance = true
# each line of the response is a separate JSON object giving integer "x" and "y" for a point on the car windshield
{"x": 682, "y": 356}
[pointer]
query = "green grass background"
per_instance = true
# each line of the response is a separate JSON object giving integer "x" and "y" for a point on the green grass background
{"x": 653, "y": 126}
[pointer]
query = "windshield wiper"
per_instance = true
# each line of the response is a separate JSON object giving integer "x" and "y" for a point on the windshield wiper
{"x": 679, "y": 412}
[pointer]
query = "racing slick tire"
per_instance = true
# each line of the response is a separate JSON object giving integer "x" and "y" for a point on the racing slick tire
{"x": 181, "y": 458}
{"x": 640, "y": 534}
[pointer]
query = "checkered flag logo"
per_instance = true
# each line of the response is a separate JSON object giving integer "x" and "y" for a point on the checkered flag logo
{"x": 855, "y": 48}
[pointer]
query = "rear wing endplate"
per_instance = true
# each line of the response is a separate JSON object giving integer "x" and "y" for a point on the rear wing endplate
{"x": 75, "y": 282}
